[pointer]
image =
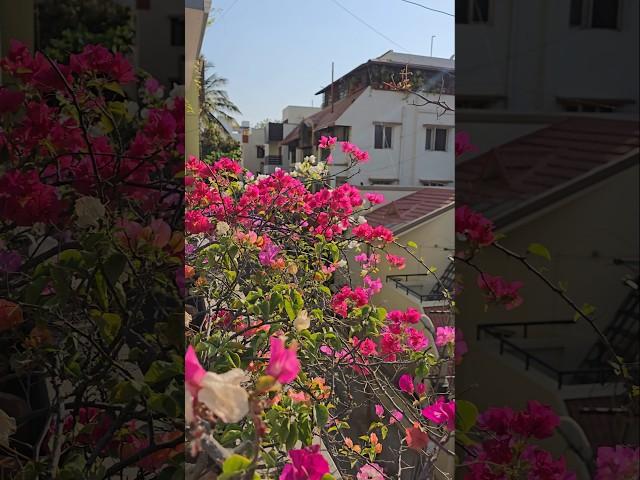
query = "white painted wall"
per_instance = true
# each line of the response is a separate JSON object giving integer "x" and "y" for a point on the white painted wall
{"x": 295, "y": 113}
{"x": 407, "y": 161}
{"x": 545, "y": 57}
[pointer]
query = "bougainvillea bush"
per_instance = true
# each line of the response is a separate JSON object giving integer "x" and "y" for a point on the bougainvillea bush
{"x": 289, "y": 358}
{"x": 91, "y": 252}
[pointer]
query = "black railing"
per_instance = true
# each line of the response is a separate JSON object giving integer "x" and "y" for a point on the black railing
{"x": 592, "y": 375}
{"x": 414, "y": 289}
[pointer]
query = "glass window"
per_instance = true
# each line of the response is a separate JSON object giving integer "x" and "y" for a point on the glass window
{"x": 382, "y": 137}
{"x": 441, "y": 140}
{"x": 429, "y": 139}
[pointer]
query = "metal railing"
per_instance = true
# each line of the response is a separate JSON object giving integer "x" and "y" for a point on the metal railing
{"x": 273, "y": 160}
{"x": 595, "y": 375}
{"x": 411, "y": 289}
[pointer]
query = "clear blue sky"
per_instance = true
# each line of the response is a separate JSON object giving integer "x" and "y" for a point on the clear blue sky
{"x": 279, "y": 52}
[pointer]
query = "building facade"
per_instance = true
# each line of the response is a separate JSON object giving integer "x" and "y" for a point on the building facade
{"x": 409, "y": 136}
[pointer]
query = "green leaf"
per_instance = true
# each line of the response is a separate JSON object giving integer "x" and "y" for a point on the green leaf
{"x": 412, "y": 244}
{"x": 466, "y": 415}
{"x": 114, "y": 87}
{"x": 586, "y": 309}
{"x": 114, "y": 267}
{"x": 235, "y": 465}
{"x": 289, "y": 309}
{"x": 125, "y": 391}
{"x": 160, "y": 371}
{"x": 539, "y": 250}
{"x": 321, "y": 413}
{"x": 328, "y": 476}
{"x": 163, "y": 403}
{"x": 109, "y": 325}
{"x": 293, "y": 436}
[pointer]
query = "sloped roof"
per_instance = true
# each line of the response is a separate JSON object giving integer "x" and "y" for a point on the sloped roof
{"x": 325, "y": 117}
{"x": 411, "y": 209}
{"x": 538, "y": 169}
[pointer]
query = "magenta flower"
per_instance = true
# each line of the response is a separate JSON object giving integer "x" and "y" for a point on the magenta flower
{"x": 370, "y": 471}
{"x": 268, "y": 254}
{"x": 327, "y": 142}
{"x": 445, "y": 335}
{"x": 406, "y": 384}
{"x": 416, "y": 340}
{"x": 396, "y": 416}
{"x": 442, "y": 412}
{"x": 367, "y": 347}
{"x": 284, "y": 365}
{"x": 619, "y": 463}
{"x": 379, "y": 410}
{"x": 193, "y": 371}
{"x": 463, "y": 143}
{"x": 498, "y": 290}
{"x": 374, "y": 198}
{"x": 306, "y": 464}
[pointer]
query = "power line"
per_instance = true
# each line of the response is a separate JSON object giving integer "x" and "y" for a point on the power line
{"x": 369, "y": 26}
{"x": 428, "y": 8}
{"x": 227, "y": 10}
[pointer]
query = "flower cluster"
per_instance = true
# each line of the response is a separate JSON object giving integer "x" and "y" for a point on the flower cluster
{"x": 507, "y": 448}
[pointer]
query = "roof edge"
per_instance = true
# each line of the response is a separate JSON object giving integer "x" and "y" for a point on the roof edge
{"x": 405, "y": 227}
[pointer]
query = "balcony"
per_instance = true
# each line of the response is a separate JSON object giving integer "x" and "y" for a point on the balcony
{"x": 422, "y": 286}
{"x": 273, "y": 132}
{"x": 548, "y": 353}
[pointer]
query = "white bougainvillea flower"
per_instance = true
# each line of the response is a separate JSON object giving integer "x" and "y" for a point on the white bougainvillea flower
{"x": 7, "y": 428}
{"x": 222, "y": 393}
{"x": 88, "y": 210}
{"x": 302, "y": 321}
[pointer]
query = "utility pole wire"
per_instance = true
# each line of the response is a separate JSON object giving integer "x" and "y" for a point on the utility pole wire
{"x": 428, "y": 8}
{"x": 369, "y": 26}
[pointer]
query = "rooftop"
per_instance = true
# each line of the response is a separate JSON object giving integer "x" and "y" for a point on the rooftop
{"x": 536, "y": 170}
{"x": 402, "y": 59}
{"x": 412, "y": 209}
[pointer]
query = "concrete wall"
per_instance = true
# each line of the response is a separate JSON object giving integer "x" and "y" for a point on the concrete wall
{"x": 295, "y": 114}
{"x": 407, "y": 161}
{"x": 538, "y": 56}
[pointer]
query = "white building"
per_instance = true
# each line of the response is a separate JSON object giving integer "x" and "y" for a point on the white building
{"x": 261, "y": 149}
{"x": 410, "y": 141}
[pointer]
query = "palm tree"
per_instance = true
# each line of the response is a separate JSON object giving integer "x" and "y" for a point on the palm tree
{"x": 215, "y": 103}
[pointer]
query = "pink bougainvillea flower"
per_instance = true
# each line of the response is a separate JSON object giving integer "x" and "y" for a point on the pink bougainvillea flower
{"x": 367, "y": 347}
{"x": 537, "y": 420}
{"x": 441, "y": 412}
{"x": 416, "y": 438}
{"x": 396, "y": 261}
{"x": 445, "y": 336}
{"x": 284, "y": 365}
{"x": 405, "y": 383}
{"x": 463, "y": 143}
{"x": 395, "y": 416}
{"x": 268, "y": 254}
{"x": 374, "y": 198}
{"x": 379, "y": 410}
{"x": 370, "y": 471}
{"x": 306, "y": 464}
{"x": 327, "y": 142}
{"x": 474, "y": 227}
{"x": 416, "y": 340}
{"x": 410, "y": 315}
{"x": 498, "y": 290}
{"x": 221, "y": 393}
{"x": 618, "y": 463}
{"x": 373, "y": 285}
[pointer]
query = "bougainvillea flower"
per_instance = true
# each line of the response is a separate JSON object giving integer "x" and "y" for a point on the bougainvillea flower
{"x": 405, "y": 383}
{"x": 463, "y": 143}
{"x": 396, "y": 261}
{"x": 498, "y": 290}
{"x": 416, "y": 439}
{"x": 445, "y": 336}
{"x": 374, "y": 198}
{"x": 370, "y": 471}
{"x": 306, "y": 464}
{"x": 441, "y": 412}
{"x": 473, "y": 226}
{"x": 379, "y": 410}
{"x": 395, "y": 416}
{"x": 618, "y": 463}
{"x": 221, "y": 393}
{"x": 284, "y": 365}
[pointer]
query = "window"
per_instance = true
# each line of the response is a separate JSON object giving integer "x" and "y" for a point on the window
{"x": 177, "y": 31}
{"x": 436, "y": 139}
{"x": 472, "y": 11}
{"x": 260, "y": 151}
{"x": 383, "y": 181}
{"x": 595, "y": 14}
{"x": 382, "y": 136}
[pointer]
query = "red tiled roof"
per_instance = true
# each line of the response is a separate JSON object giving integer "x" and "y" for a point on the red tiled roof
{"x": 411, "y": 208}
{"x": 325, "y": 117}
{"x": 526, "y": 174}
